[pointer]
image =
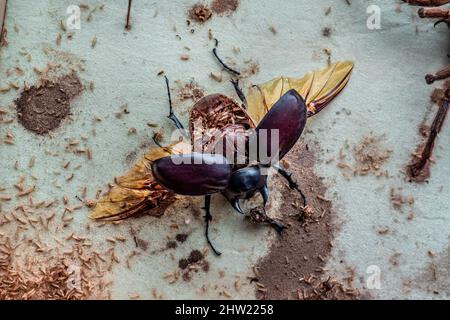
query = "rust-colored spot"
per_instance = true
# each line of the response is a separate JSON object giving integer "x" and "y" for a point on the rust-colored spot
{"x": 200, "y": 13}
{"x": 224, "y": 7}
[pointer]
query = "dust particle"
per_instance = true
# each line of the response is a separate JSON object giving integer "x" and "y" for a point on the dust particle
{"x": 369, "y": 157}
{"x": 194, "y": 263}
{"x": 42, "y": 109}
{"x": 326, "y": 32}
{"x": 171, "y": 245}
{"x": 141, "y": 243}
{"x": 435, "y": 278}
{"x": 195, "y": 256}
{"x": 181, "y": 237}
{"x": 183, "y": 264}
{"x": 191, "y": 91}
{"x": 200, "y": 13}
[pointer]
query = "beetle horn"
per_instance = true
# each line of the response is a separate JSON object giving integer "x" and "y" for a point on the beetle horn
{"x": 236, "y": 205}
{"x": 265, "y": 194}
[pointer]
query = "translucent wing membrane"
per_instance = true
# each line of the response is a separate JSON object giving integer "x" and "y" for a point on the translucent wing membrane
{"x": 318, "y": 88}
{"x": 137, "y": 190}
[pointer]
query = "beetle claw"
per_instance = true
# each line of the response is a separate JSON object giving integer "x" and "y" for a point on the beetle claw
{"x": 236, "y": 205}
{"x": 278, "y": 226}
{"x": 258, "y": 215}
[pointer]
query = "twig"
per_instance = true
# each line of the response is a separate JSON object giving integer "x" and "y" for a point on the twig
{"x": 440, "y": 75}
{"x": 128, "y": 25}
{"x": 434, "y": 13}
{"x": 416, "y": 168}
{"x": 3, "y": 5}
{"x": 427, "y": 3}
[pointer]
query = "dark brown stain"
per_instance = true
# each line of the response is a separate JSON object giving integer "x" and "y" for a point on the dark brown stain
{"x": 141, "y": 243}
{"x": 42, "y": 109}
{"x": 294, "y": 267}
{"x": 171, "y": 244}
{"x": 224, "y": 7}
{"x": 192, "y": 264}
{"x": 181, "y": 237}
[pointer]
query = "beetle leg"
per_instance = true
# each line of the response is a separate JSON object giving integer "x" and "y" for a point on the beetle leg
{"x": 208, "y": 218}
{"x": 259, "y": 215}
{"x": 447, "y": 22}
{"x": 155, "y": 140}
{"x": 239, "y": 92}
{"x": 265, "y": 194}
{"x": 292, "y": 183}
{"x": 230, "y": 70}
{"x": 278, "y": 226}
{"x": 172, "y": 115}
{"x": 234, "y": 82}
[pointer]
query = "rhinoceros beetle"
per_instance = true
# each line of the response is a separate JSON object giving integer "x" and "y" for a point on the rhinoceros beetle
{"x": 204, "y": 174}
{"x": 201, "y": 168}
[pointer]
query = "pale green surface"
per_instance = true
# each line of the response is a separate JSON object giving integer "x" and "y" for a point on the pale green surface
{"x": 386, "y": 95}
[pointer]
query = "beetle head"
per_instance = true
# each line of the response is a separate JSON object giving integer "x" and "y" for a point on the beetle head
{"x": 244, "y": 183}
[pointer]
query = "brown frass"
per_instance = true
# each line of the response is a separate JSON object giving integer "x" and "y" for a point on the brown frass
{"x": 42, "y": 108}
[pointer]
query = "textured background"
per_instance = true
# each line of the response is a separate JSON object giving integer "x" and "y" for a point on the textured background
{"x": 386, "y": 96}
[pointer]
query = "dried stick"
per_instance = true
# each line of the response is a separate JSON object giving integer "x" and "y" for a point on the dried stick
{"x": 128, "y": 24}
{"x": 417, "y": 168}
{"x": 3, "y": 4}
{"x": 434, "y": 13}
{"x": 427, "y": 3}
{"x": 440, "y": 75}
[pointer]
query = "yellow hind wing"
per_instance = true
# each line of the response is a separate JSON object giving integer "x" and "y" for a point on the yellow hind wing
{"x": 318, "y": 88}
{"x": 137, "y": 191}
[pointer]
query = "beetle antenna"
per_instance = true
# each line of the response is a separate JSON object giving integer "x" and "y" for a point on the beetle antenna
{"x": 172, "y": 115}
{"x": 169, "y": 95}
{"x": 231, "y": 70}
